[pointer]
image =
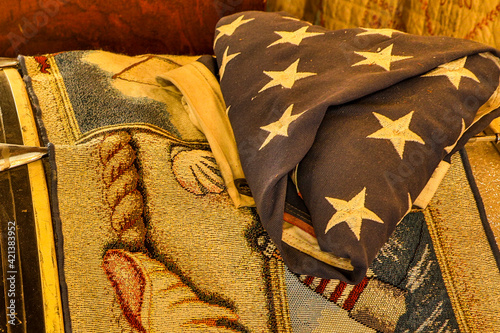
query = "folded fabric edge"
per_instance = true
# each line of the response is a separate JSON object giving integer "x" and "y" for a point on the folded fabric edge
{"x": 304, "y": 242}
{"x": 207, "y": 111}
{"x": 300, "y": 236}
{"x": 432, "y": 185}
{"x": 484, "y": 115}
{"x": 492, "y": 104}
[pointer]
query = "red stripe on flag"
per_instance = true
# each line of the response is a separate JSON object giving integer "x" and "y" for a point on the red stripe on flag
{"x": 299, "y": 223}
{"x": 338, "y": 291}
{"x": 354, "y": 295}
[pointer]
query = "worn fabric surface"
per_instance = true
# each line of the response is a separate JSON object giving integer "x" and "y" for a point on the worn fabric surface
{"x": 146, "y": 221}
{"x": 207, "y": 111}
{"x": 363, "y": 121}
{"x": 463, "y": 19}
{"x": 145, "y": 216}
{"x": 476, "y": 20}
{"x": 457, "y": 254}
{"x": 485, "y": 162}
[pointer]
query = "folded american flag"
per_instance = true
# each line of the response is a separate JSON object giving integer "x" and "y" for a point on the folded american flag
{"x": 341, "y": 132}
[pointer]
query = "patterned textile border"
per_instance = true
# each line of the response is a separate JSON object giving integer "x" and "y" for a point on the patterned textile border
{"x": 484, "y": 164}
{"x": 465, "y": 255}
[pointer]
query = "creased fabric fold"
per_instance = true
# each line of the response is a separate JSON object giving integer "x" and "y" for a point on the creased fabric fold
{"x": 204, "y": 103}
{"x": 343, "y": 130}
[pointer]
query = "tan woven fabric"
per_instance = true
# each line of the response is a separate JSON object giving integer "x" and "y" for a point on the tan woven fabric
{"x": 152, "y": 240}
{"x": 203, "y": 237}
{"x": 477, "y": 20}
{"x": 464, "y": 254}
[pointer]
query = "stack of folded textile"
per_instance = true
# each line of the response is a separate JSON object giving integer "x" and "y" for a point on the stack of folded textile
{"x": 341, "y": 132}
{"x": 342, "y": 140}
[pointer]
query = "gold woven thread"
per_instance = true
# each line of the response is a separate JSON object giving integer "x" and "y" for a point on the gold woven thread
{"x": 279, "y": 294}
{"x": 469, "y": 268}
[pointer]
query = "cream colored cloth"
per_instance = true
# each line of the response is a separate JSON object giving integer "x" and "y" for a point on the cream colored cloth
{"x": 207, "y": 110}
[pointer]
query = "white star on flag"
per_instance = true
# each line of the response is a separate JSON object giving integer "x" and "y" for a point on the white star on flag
{"x": 294, "y": 37}
{"x": 225, "y": 59}
{"x": 383, "y": 32}
{"x": 396, "y": 131}
{"x": 280, "y": 127}
{"x": 285, "y": 78}
{"x": 454, "y": 71}
{"x": 228, "y": 29}
{"x": 351, "y": 212}
{"x": 383, "y": 58}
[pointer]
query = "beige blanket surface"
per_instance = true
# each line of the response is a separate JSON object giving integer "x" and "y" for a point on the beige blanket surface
{"x": 470, "y": 19}
{"x": 153, "y": 243}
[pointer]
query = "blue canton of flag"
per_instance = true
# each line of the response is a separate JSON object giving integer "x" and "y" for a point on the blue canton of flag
{"x": 341, "y": 132}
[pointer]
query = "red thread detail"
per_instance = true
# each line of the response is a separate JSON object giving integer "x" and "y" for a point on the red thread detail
{"x": 322, "y": 286}
{"x": 354, "y": 295}
{"x": 44, "y": 65}
{"x": 338, "y": 291}
{"x": 110, "y": 260}
{"x": 490, "y": 17}
{"x": 308, "y": 280}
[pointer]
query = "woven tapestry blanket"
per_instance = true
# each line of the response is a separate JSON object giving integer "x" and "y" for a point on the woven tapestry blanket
{"x": 149, "y": 237}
